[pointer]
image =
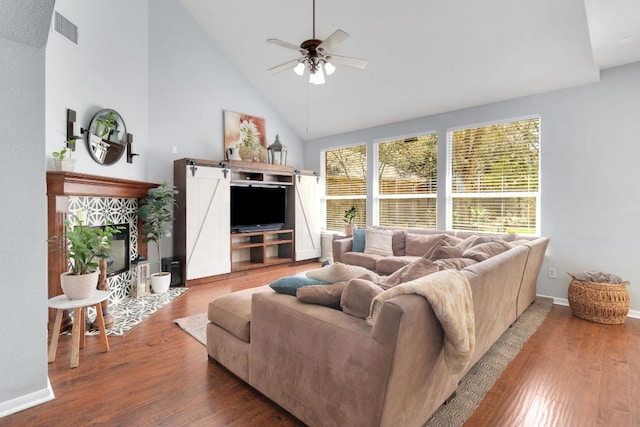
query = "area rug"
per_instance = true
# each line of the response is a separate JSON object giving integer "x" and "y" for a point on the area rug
{"x": 474, "y": 385}
{"x": 129, "y": 312}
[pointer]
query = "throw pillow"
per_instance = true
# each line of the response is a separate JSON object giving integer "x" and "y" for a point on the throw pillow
{"x": 337, "y": 272}
{"x": 357, "y": 296}
{"x": 327, "y": 295}
{"x": 290, "y": 284}
{"x": 358, "y": 240}
{"x": 378, "y": 242}
{"x": 486, "y": 250}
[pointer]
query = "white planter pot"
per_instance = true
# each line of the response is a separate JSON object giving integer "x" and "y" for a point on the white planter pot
{"x": 79, "y": 286}
{"x": 160, "y": 282}
{"x": 67, "y": 165}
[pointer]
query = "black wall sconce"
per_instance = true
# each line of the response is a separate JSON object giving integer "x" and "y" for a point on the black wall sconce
{"x": 130, "y": 153}
{"x": 74, "y": 131}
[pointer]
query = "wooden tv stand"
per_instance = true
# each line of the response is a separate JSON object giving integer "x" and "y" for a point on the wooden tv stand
{"x": 261, "y": 248}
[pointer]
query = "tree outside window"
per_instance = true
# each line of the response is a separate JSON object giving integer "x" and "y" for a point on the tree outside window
{"x": 495, "y": 176}
{"x": 345, "y": 177}
{"x": 407, "y": 182}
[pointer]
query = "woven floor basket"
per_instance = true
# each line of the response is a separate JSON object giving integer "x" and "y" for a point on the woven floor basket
{"x": 599, "y": 302}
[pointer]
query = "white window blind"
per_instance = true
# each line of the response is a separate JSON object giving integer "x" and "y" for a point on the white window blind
{"x": 407, "y": 182}
{"x": 494, "y": 182}
{"x": 345, "y": 178}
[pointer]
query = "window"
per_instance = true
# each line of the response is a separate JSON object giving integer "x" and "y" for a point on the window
{"x": 407, "y": 182}
{"x": 494, "y": 174}
{"x": 345, "y": 174}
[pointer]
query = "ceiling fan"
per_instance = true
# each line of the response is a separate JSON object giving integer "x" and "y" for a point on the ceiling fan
{"x": 315, "y": 55}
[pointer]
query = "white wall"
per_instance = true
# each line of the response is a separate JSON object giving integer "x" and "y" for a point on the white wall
{"x": 23, "y": 252}
{"x": 162, "y": 73}
{"x": 108, "y": 68}
{"x": 589, "y": 171}
{"x": 191, "y": 83}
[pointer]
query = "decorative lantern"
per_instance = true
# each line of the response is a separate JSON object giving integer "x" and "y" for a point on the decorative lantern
{"x": 143, "y": 276}
{"x": 277, "y": 153}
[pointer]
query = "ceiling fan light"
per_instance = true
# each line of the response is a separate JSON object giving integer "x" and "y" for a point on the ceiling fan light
{"x": 329, "y": 68}
{"x": 317, "y": 78}
{"x": 299, "y": 69}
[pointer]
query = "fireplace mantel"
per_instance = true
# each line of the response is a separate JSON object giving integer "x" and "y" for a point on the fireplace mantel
{"x": 80, "y": 184}
{"x": 62, "y": 185}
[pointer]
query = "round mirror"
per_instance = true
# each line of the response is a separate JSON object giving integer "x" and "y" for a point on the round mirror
{"x": 107, "y": 137}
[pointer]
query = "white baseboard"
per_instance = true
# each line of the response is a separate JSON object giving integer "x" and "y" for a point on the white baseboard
{"x": 27, "y": 401}
{"x": 635, "y": 314}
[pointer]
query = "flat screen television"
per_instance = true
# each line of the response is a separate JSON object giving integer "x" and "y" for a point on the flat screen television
{"x": 257, "y": 208}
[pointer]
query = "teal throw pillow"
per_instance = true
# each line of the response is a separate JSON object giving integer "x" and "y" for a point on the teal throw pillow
{"x": 289, "y": 285}
{"x": 358, "y": 240}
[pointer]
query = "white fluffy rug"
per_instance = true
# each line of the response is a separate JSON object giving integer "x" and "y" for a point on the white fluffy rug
{"x": 196, "y": 326}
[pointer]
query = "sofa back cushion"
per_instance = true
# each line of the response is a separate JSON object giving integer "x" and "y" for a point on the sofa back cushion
{"x": 424, "y": 244}
{"x": 398, "y": 242}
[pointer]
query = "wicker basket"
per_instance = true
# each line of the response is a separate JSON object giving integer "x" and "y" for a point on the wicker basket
{"x": 599, "y": 302}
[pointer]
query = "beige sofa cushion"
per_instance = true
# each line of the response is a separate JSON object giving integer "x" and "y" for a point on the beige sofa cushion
{"x": 420, "y": 267}
{"x": 444, "y": 250}
{"x": 484, "y": 251}
{"x": 232, "y": 312}
{"x": 327, "y": 295}
{"x": 357, "y": 296}
{"x": 390, "y": 264}
{"x": 424, "y": 244}
{"x": 361, "y": 259}
{"x": 454, "y": 263}
{"x": 398, "y": 242}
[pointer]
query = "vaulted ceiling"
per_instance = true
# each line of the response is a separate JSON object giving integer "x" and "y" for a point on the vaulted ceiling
{"x": 425, "y": 56}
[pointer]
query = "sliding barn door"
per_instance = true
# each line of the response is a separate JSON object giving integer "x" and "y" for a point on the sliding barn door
{"x": 307, "y": 214}
{"x": 207, "y": 223}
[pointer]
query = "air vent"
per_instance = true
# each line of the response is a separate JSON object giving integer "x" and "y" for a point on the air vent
{"x": 66, "y": 28}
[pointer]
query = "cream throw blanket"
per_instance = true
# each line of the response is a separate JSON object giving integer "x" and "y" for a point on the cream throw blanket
{"x": 449, "y": 294}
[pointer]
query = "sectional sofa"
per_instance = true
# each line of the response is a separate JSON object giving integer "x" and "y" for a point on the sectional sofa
{"x": 331, "y": 368}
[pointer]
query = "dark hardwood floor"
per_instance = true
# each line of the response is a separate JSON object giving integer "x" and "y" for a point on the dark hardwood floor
{"x": 570, "y": 373}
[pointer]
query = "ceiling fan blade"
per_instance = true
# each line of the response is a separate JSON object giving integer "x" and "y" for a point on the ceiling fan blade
{"x": 333, "y": 40}
{"x": 287, "y": 45}
{"x": 348, "y": 61}
{"x": 283, "y": 67}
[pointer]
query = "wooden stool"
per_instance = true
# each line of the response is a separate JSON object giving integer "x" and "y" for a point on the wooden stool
{"x": 62, "y": 303}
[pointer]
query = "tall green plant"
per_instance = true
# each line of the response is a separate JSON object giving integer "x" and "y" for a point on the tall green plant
{"x": 156, "y": 213}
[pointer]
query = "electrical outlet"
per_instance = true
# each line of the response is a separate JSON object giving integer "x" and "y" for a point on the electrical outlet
{"x": 174, "y": 149}
{"x": 552, "y": 273}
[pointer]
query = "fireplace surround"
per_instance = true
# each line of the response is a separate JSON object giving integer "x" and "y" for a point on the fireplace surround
{"x": 69, "y": 192}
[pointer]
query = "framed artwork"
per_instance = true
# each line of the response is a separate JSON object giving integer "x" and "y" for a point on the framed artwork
{"x": 244, "y": 137}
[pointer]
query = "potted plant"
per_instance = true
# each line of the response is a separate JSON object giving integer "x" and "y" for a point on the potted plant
{"x": 84, "y": 246}
{"x": 62, "y": 159}
{"x": 349, "y": 217}
{"x": 156, "y": 214}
